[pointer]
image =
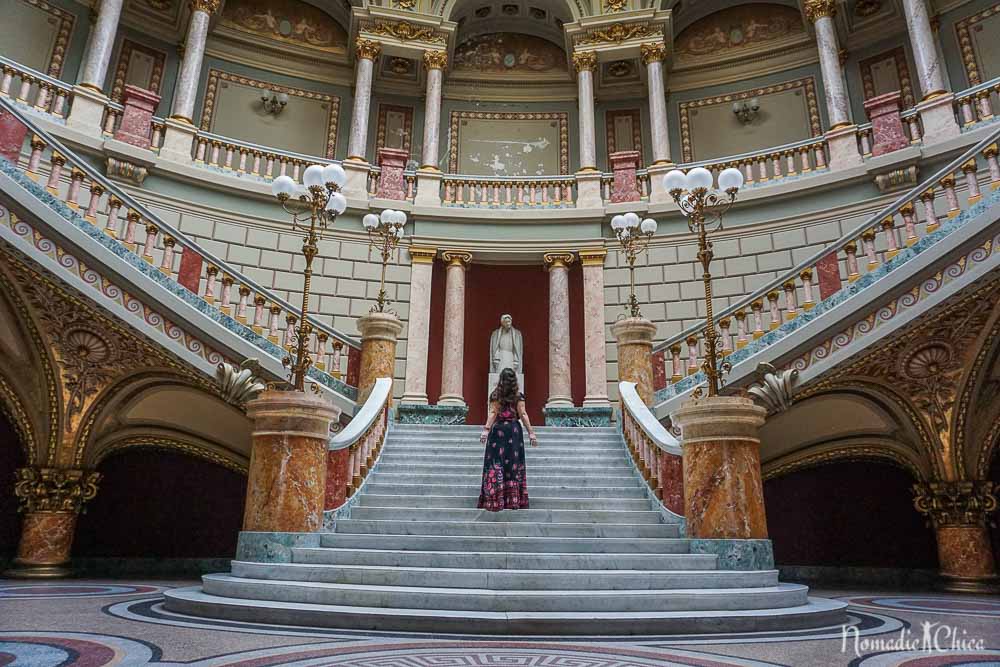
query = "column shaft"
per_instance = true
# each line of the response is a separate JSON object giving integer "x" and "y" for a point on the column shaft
{"x": 653, "y": 55}
{"x": 925, "y": 51}
{"x": 593, "y": 328}
{"x": 101, "y": 43}
{"x": 435, "y": 62}
{"x": 418, "y": 328}
{"x": 453, "y": 362}
{"x": 367, "y": 52}
{"x": 586, "y": 64}
{"x": 560, "y": 384}
{"x": 379, "y": 335}
{"x": 834, "y": 83}
{"x": 189, "y": 75}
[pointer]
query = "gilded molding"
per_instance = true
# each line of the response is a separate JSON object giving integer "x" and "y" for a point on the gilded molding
{"x": 420, "y": 255}
{"x": 853, "y": 453}
{"x": 558, "y": 259}
{"x": 955, "y": 503}
{"x": 367, "y": 49}
{"x": 436, "y": 59}
{"x": 404, "y": 31}
{"x": 611, "y": 6}
{"x": 963, "y": 31}
{"x": 617, "y": 33}
{"x": 207, "y": 6}
{"x": 236, "y": 463}
{"x": 54, "y": 489}
{"x": 814, "y": 10}
{"x": 585, "y": 61}
{"x": 457, "y": 258}
{"x": 653, "y": 53}
{"x": 593, "y": 257}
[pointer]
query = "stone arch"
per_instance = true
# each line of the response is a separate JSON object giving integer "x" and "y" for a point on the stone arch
{"x": 577, "y": 8}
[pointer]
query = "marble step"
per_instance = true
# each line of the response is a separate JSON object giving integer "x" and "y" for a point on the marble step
{"x": 438, "y": 453}
{"x": 470, "y": 488}
{"x": 505, "y": 560}
{"x": 478, "y": 599}
{"x": 472, "y": 440}
{"x": 533, "y": 456}
{"x": 367, "y": 499}
{"x": 583, "y": 481}
{"x": 506, "y": 580}
{"x": 619, "y": 468}
{"x": 534, "y": 515}
{"x": 600, "y": 545}
{"x": 476, "y": 528}
{"x": 476, "y": 428}
{"x": 816, "y": 612}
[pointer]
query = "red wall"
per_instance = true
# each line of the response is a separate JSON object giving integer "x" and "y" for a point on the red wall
{"x": 11, "y": 458}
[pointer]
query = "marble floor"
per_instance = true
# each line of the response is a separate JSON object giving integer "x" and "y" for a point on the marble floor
{"x": 105, "y": 622}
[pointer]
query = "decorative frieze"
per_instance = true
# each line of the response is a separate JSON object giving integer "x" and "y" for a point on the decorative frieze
{"x": 435, "y": 59}
{"x": 617, "y": 33}
{"x": 404, "y": 31}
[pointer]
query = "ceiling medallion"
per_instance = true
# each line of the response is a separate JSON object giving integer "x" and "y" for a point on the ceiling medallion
{"x": 87, "y": 346}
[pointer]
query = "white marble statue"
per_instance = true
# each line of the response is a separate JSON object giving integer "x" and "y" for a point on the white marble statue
{"x": 506, "y": 347}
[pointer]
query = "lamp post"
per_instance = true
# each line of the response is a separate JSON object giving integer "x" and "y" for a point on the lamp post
{"x": 704, "y": 207}
{"x": 317, "y": 200}
{"x": 385, "y": 231}
{"x": 633, "y": 238}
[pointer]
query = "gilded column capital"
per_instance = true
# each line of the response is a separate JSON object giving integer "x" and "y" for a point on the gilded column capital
{"x": 457, "y": 258}
{"x": 817, "y": 9}
{"x": 559, "y": 259}
{"x": 421, "y": 255}
{"x": 585, "y": 61}
{"x": 367, "y": 49}
{"x": 435, "y": 59}
{"x": 960, "y": 503}
{"x": 207, "y": 6}
{"x": 54, "y": 489}
{"x": 593, "y": 257}
{"x": 653, "y": 53}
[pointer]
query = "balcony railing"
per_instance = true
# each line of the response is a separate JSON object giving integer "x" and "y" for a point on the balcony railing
{"x": 508, "y": 192}
{"x": 269, "y": 319}
{"x": 853, "y": 262}
{"x": 34, "y": 89}
{"x": 979, "y": 103}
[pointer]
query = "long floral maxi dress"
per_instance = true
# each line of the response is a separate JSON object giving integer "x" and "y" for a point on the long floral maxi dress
{"x": 505, "y": 482}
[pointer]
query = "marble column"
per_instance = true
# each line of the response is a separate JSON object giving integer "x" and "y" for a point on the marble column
{"x": 379, "y": 334}
{"x": 959, "y": 512}
{"x": 586, "y": 64}
{"x": 435, "y": 61}
{"x": 453, "y": 359}
{"x": 723, "y": 489}
{"x": 820, "y": 13}
{"x": 593, "y": 328}
{"x": 286, "y": 483}
{"x": 419, "y": 326}
{"x": 635, "y": 354}
{"x": 51, "y": 499}
{"x": 653, "y": 56}
{"x": 924, "y": 47}
{"x": 189, "y": 76}
{"x": 560, "y": 385}
{"x": 100, "y": 44}
{"x": 367, "y": 52}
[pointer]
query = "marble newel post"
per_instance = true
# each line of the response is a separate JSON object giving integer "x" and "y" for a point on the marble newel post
{"x": 51, "y": 499}
{"x": 286, "y": 483}
{"x": 87, "y": 110}
{"x": 379, "y": 334}
{"x": 635, "y": 354}
{"x": 560, "y": 386}
{"x": 429, "y": 175}
{"x": 356, "y": 164}
{"x": 842, "y": 137}
{"x": 419, "y": 326}
{"x": 593, "y": 329}
{"x": 453, "y": 359}
{"x": 935, "y": 109}
{"x": 588, "y": 178}
{"x": 180, "y": 130}
{"x": 723, "y": 488}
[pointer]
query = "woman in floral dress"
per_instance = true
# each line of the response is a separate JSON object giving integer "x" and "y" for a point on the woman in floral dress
{"x": 505, "y": 483}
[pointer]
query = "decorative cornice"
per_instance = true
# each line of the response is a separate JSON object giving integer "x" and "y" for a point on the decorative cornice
{"x": 420, "y": 255}
{"x": 54, "y": 489}
{"x": 207, "y": 6}
{"x": 435, "y": 59}
{"x": 585, "y": 61}
{"x": 617, "y": 33}
{"x": 367, "y": 49}
{"x": 404, "y": 31}
{"x": 653, "y": 53}
{"x": 817, "y": 9}
{"x": 960, "y": 503}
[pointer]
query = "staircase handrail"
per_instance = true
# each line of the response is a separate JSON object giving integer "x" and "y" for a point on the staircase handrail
{"x": 365, "y": 417}
{"x": 888, "y": 211}
{"x": 364, "y": 437}
{"x": 182, "y": 239}
{"x": 24, "y": 69}
{"x": 646, "y": 420}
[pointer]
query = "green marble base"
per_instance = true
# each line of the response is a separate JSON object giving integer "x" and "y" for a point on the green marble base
{"x": 261, "y": 547}
{"x": 737, "y": 554}
{"x": 442, "y": 415}
{"x": 580, "y": 417}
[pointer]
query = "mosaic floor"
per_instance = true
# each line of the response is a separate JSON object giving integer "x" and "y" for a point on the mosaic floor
{"x": 99, "y": 623}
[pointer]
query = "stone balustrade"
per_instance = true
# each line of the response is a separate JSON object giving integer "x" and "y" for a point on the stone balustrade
{"x": 494, "y": 192}
{"x": 354, "y": 451}
{"x": 222, "y": 289}
{"x": 34, "y": 89}
{"x": 876, "y": 243}
{"x": 655, "y": 452}
{"x": 978, "y": 104}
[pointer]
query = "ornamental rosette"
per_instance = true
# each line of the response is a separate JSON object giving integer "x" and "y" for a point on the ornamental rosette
{"x": 961, "y": 503}
{"x": 55, "y": 489}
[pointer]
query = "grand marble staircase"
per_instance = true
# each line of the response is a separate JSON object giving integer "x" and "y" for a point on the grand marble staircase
{"x": 592, "y": 556}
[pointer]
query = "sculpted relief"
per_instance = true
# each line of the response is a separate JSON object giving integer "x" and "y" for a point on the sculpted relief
{"x": 287, "y": 21}
{"x": 737, "y": 28}
{"x": 501, "y": 52}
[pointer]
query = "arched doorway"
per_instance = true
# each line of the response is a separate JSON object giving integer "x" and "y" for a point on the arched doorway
{"x": 11, "y": 458}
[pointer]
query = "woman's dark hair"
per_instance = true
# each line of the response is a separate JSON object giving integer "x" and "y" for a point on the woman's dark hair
{"x": 507, "y": 391}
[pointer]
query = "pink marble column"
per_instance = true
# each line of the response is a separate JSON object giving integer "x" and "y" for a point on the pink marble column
{"x": 453, "y": 361}
{"x": 887, "y": 126}
{"x": 137, "y": 118}
{"x": 560, "y": 389}
{"x": 593, "y": 327}
{"x": 418, "y": 334}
